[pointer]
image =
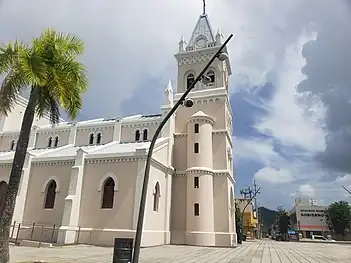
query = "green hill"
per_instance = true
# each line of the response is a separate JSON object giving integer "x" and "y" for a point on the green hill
{"x": 267, "y": 217}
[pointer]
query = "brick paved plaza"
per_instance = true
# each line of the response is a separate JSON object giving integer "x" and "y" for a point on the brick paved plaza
{"x": 253, "y": 252}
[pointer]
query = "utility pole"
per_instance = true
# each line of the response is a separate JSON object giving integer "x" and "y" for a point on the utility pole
{"x": 251, "y": 193}
{"x": 257, "y": 212}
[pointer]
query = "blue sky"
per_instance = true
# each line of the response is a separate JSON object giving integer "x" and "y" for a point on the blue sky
{"x": 290, "y": 88}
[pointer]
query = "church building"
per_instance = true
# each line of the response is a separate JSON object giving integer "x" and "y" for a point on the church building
{"x": 82, "y": 181}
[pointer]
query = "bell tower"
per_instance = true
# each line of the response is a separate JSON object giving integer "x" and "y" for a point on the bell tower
{"x": 204, "y": 183}
{"x": 192, "y": 56}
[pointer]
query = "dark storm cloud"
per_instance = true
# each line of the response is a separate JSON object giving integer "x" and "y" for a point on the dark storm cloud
{"x": 328, "y": 74}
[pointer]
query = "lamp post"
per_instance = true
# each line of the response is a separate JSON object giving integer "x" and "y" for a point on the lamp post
{"x": 221, "y": 56}
{"x": 347, "y": 190}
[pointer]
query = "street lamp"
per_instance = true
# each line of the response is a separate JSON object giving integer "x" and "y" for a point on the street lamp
{"x": 187, "y": 103}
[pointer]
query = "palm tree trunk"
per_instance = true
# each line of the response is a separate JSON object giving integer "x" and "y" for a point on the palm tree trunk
{"x": 15, "y": 178}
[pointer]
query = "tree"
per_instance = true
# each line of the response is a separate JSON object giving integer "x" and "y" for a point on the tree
{"x": 283, "y": 221}
{"x": 49, "y": 67}
{"x": 338, "y": 217}
{"x": 238, "y": 219}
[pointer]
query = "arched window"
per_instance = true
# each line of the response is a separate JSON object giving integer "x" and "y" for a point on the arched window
{"x": 190, "y": 79}
{"x": 50, "y": 195}
{"x": 212, "y": 76}
{"x": 91, "y": 139}
{"x": 12, "y": 146}
{"x": 196, "y": 209}
{"x": 50, "y": 142}
{"x": 157, "y": 195}
{"x": 108, "y": 194}
{"x": 3, "y": 190}
{"x": 56, "y": 141}
{"x": 137, "y": 135}
{"x": 145, "y": 135}
{"x": 98, "y": 138}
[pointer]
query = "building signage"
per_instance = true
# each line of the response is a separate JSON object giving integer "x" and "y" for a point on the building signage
{"x": 312, "y": 212}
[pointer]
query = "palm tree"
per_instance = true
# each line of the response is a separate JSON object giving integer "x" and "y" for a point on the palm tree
{"x": 50, "y": 69}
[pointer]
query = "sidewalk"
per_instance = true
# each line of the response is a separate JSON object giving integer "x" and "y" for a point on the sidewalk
{"x": 263, "y": 251}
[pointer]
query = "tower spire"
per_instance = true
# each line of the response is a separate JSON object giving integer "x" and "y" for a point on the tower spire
{"x": 204, "y": 7}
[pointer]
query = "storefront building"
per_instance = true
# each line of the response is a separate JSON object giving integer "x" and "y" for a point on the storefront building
{"x": 308, "y": 218}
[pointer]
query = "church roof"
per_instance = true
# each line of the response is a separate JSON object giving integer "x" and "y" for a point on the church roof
{"x": 202, "y": 29}
{"x": 68, "y": 152}
{"x": 200, "y": 113}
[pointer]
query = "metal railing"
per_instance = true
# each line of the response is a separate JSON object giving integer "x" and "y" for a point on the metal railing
{"x": 40, "y": 234}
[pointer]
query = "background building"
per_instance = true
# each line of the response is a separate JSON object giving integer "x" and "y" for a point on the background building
{"x": 308, "y": 217}
{"x": 250, "y": 221}
{"x": 82, "y": 181}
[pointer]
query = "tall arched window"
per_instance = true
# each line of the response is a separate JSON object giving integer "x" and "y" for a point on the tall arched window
{"x": 157, "y": 195}
{"x": 137, "y": 135}
{"x": 50, "y": 142}
{"x": 196, "y": 209}
{"x": 98, "y": 138}
{"x": 145, "y": 135}
{"x": 212, "y": 76}
{"x": 3, "y": 190}
{"x": 91, "y": 139}
{"x": 50, "y": 195}
{"x": 12, "y": 146}
{"x": 190, "y": 79}
{"x": 108, "y": 193}
{"x": 56, "y": 141}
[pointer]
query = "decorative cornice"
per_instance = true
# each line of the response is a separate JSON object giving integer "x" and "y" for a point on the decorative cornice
{"x": 141, "y": 124}
{"x": 211, "y": 100}
{"x": 197, "y": 170}
{"x": 216, "y": 173}
{"x": 202, "y": 119}
{"x": 190, "y": 59}
{"x": 95, "y": 128}
{"x": 114, "y": 160}
{"x": 180, "y": 135}
{"x": 215, "y": 132}
{"x": 12, "y": 135}
{"x": 51, "y": 163}
{"x": 5, "y": 165}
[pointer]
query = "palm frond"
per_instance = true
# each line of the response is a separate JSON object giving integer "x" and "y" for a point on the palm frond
{"x": 68, "y": 79}
{"x": 33, "y": 67}
{"x": 10, "y": 87}
{"x": 59, "y": 43}
{"x": 46, "y": 102}
{"x": 9, "y": 55}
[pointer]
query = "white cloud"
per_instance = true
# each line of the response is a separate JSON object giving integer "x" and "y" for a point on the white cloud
{"x": 306, "y": 190}
{"x": 261, "y": 150}
{"x": 130, "y": 43}
{"x": 345, "y": 179}
{"x": 274, "y": 176}
{"x": 286, "y": 119}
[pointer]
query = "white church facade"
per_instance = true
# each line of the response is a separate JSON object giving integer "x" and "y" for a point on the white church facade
{"x": 83, "y": 179}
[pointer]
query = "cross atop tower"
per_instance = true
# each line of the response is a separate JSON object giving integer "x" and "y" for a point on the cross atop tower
{"x": 204, "y": 7}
